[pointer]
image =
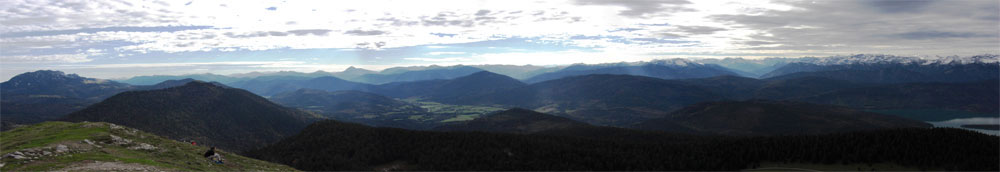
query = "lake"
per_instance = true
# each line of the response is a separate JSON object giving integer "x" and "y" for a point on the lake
{"x": 957, "y": 123}
{"x": 947, "y": 118}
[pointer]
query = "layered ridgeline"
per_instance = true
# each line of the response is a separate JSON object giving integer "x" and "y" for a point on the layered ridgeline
{"x": 229, "y": 118}
{"x": 516, "y": 71}
{"x": 331, "y": 145}
{"x": 356, "y": 106}
{"x": 623, "y": 100}
{"x": 760, "y": 117}
{"x": 750, "y": 67}
{"x": 404, "y": 74}
{"x": 396, "y": 74}
{"x": 98, "y": 146}
{"x": 271, "y": 85}
{"x": 893, "y": 69}
{"x": 472, "y": 87}
{"x": 664, "y": 69}
{"x": 352, "y": 73}
{"x": 600, "y": 99}
{"x": 46, "y": 95}
{"x": 154, "y": 79}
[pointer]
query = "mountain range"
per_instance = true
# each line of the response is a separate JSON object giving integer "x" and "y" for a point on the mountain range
{"x": 617, "y": 100}
{"x": 268, "y": 86}
{"x": 659, "y": 115}
{"x": 226, "y": 117}
{"x": 154, "y": 79}
{"x": 46, "y": 95}
{"x": 460, "y": 89}
{"x": 663, "y": 69}
{"x": 893, "y": 69}
{"x": 433, "y": 72}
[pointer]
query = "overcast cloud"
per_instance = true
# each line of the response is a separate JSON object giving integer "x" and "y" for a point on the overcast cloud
{"x": 103, "y": 38}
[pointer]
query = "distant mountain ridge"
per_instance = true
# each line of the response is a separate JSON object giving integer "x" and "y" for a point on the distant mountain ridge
{"x": 753, "y": 68}
{"x": 154, "y": 79}
{"x": 48, "y": 82}
{"x": 268, "y": 86}
{"x": 46, "y": 95}
{"x": 893, "y": 69}
{"x": 663, "y": 69}
{"x": 516, "y": 71}
{"x": 601, "y": 99}
{"x": 352, "y": 73}
{"x": 892, "y": 73}
{"x": 434, "y": 72}
{"x": 319, "y": 73}
{"x": 456, "y": 90}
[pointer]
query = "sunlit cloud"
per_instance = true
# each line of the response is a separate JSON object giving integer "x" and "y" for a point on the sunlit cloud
{"x": 49, "y": 34}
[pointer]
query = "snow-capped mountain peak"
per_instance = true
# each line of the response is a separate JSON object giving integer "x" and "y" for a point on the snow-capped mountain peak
{"x": 866, "y": 59}
{"x": 985, "y": 58}
{"x": 673, "y": 62}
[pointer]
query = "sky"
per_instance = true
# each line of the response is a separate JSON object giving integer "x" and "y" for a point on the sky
{"x": 117, "y": 39}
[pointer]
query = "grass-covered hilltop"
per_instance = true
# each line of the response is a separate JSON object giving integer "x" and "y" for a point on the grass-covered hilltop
{"x": 99, "y": 146}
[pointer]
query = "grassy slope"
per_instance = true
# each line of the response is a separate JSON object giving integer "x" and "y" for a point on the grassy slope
{"x": 169, "y": 154}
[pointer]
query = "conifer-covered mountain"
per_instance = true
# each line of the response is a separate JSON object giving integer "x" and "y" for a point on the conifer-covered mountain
{"x": 760, "y": 117}
{"x": 331, "y": 145}
{"x": 56, "y": 83}
{"x": 794, "y": 88}
{"x": 664, "y": 69}
{"x": 457, "y": 90}
{"x": 230, "y": 118}
{"x": 981, "y": 96}
{"x": 45, "y": 95}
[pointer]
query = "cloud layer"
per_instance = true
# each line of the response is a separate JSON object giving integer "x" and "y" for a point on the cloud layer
{"x": 310, "y": 35}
